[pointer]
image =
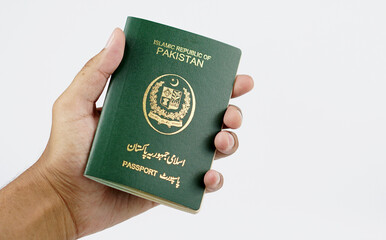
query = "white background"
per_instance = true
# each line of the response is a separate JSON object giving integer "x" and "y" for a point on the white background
{"x": 312, "y": 159}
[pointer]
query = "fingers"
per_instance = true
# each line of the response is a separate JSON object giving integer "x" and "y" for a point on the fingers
{"x": 233, "y": 117}
{"x": 91, "y": 80}
{"x": 213, "y": 181}
{"x": 226, "y": 143}
{"x": 243, "y": 84}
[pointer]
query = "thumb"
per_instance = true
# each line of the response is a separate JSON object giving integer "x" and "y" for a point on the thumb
{"x": 89, "y": 83}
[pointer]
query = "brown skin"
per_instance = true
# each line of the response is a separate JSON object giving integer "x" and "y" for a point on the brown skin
{"x": 52, "y": 199}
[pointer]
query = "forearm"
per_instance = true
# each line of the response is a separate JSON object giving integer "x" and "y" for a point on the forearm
{"x": 31, "y": 209}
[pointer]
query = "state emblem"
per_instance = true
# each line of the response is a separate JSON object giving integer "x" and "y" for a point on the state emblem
{"x": 171, "y": 98}
{"x": 169, "y": 104}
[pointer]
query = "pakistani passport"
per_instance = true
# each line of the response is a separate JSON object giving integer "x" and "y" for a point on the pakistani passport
{"x": 164, "y": 105}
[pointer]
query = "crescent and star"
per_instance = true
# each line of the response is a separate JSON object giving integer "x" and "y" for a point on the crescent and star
{"x": 176, "y": 84}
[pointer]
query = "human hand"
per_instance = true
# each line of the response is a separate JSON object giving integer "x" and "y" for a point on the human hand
{"x": 91, "y": 205}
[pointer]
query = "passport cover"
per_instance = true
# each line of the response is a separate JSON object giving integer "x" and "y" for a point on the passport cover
{"x": 164, "y": 105}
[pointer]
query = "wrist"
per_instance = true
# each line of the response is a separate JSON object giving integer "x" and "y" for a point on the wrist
{"x": 32, "y": 207}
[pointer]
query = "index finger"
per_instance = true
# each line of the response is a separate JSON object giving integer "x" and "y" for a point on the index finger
{"x": 242, "y": 85}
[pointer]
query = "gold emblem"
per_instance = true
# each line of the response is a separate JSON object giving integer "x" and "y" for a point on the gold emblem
{"x": 171, "y": 98}
{"x": 169, "y": 104}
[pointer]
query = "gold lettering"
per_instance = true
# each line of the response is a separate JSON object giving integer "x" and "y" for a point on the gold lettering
{"x": 187, "y": 58}
{"x": 181, "y": 57}
{"x": 169, "y": 159}
{"x": 159, "y": 50}
{"x": 166, "y": 52}
{"x": 171, "y": 179}
{"x": 139, "y": 168}
{"x": 130, "y": 147}
{"x": 200, "y": 63}
{"x": 193, "y": 61}
{"x": 181, "y": 54}
{"x": 172, "y": 54}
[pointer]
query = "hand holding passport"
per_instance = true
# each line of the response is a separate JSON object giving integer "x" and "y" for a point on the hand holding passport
{"x": 163, "y": 108}
{"x": 87, "y": 206}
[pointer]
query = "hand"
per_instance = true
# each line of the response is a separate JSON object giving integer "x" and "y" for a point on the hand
{"x": 91, "y": 205}
{"x": 226, "y": 142}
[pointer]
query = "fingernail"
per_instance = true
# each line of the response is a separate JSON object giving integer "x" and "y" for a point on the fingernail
{"x": 218, "y": 178}
{"x": 241, "y": 117}
{"x": 231, "y": 142}
{"x": 241, "y": 114}
{"x": 110, "y": 40}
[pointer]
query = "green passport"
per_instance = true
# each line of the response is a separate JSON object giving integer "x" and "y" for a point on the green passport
{"x": 164, "y": 105}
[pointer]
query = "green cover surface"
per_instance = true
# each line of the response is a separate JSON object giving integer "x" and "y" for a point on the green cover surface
{"x": 164, "y": 106}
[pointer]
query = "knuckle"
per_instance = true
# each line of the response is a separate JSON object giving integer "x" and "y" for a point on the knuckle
{"x": 88, "y": 66}
{"x": 61, "y": 104}
{"x": 90, "y": 62}
{"x": 93, "y": 61}
{"x": 57, "y": 104}
{"x": 91, "y": 68}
